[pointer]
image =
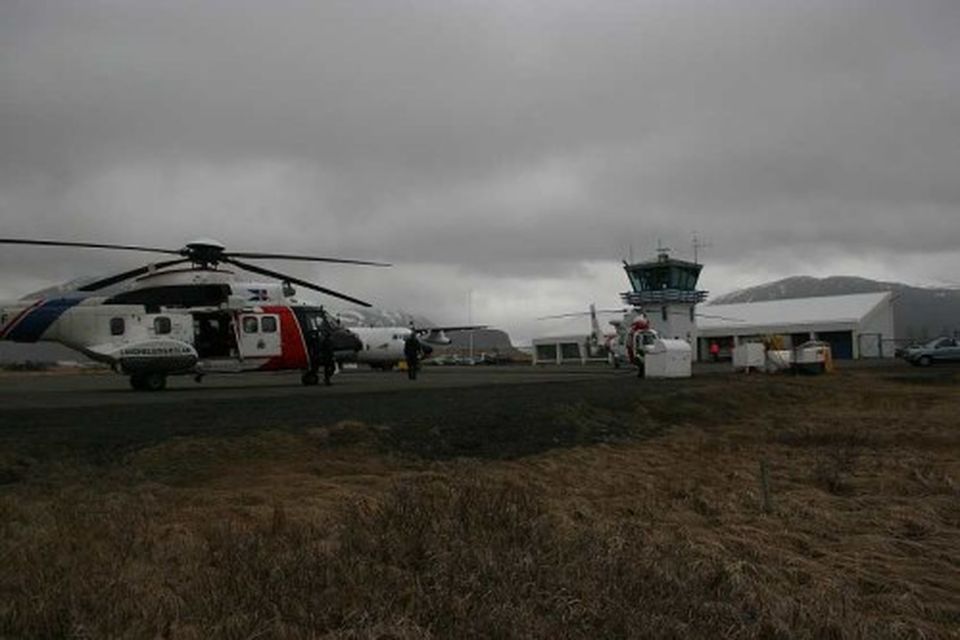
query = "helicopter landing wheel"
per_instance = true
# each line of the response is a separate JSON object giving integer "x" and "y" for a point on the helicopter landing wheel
{"x": 310, "y": 379}
{"x": 148, "y": 381}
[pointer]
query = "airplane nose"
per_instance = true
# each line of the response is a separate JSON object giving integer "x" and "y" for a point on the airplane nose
{"x": 346, "y": 340}
{"x": 8, "y": 311}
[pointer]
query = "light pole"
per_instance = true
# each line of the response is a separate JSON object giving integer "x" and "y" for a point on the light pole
{"x": 470, "y": 319}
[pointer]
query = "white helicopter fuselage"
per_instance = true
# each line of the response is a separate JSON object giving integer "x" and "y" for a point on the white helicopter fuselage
{"x": 244, "y": 326}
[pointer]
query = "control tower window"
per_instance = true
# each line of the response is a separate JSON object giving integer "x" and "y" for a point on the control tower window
{"x": 663, "y": 276}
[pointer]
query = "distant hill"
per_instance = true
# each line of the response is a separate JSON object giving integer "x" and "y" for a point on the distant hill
{"x": 918, "y": 312}
{"x": 483, "y": 340}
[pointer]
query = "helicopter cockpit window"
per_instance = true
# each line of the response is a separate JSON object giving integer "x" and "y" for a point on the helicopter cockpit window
{"x": 268, "y": 324}
{"x": 117, "y": 326}
{"x": 162, "y": 326}
{"x": 250, "y": 325}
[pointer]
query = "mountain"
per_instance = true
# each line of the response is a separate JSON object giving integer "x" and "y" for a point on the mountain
{"x": 918, "y": 312}
{"x": 483, "y": 340}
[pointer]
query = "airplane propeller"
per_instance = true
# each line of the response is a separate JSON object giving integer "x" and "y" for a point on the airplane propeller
{"x": 203, "y": 254}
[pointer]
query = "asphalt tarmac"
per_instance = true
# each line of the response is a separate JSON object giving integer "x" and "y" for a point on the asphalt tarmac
{"x": 98, "y": 389}
{"x": 449, "y": 411}
{"x": 474, "y": 411}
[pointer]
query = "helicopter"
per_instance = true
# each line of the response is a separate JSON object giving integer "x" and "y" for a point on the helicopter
{"x": 189, "y": 314}
{"x": 632, "y": 331}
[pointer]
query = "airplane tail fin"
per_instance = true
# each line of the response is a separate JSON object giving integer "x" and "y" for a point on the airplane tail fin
{"x": 595, "y": 325}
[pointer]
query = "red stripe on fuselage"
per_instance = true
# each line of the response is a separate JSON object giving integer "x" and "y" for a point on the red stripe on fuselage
{"x": 18, "y": 318}
{"x": 292, "y": 343}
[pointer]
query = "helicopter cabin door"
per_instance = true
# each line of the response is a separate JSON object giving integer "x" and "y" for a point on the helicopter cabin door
{"x": 259, "y": 335}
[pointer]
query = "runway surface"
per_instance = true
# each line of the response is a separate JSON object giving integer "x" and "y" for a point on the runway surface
{"x": 97, "y": 416}
{"x": 456, "y": 411}
{"x": 52, "y": 391}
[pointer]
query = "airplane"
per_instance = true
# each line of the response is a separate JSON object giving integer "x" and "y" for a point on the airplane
{"x": 189, "y": 314}
{"x": 383, "y": 347}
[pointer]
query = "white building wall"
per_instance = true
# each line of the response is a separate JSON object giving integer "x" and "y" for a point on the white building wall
{"x": 561, "y": 344}
{"x": 679, "y": 323}
{"x": 880, "y": 321}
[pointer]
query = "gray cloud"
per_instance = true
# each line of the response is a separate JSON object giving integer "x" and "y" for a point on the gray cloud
{"x": 488, "y": 146}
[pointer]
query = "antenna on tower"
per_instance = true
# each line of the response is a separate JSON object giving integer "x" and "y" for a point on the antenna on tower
{"x": 662, "y": 251}
{"x": 698, "y": 244}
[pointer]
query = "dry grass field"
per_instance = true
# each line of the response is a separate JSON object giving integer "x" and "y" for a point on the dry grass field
{"x": 642, "y": 519}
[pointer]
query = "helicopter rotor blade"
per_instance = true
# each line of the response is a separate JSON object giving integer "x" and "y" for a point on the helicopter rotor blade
{"x": 86, "y": 245}
{"x": 577, "y": 314}
{"x": 580, "y": 314}
{"x": 126, "y": 275}
{"x": 285, "y": 256}
{"x": 303, "y": 283}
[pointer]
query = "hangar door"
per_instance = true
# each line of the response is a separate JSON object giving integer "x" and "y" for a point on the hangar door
{"x": 841, "y": 343}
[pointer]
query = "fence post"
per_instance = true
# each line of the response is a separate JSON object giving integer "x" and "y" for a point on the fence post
{"x": 765, "y": 486}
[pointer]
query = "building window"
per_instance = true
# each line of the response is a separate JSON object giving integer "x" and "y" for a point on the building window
{"x": 546, "y": 352}
{"x": 570, "y": 351}
{"x": 162, "y": 326}
{"x": 268, "y": 324}
{"x": 117, "y": 326}
{"x": 250, "y": 325}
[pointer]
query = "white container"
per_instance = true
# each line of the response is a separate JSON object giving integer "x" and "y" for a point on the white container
{"x": 668, "y": 359}
{"x": 813, "y": 357}
{"x": 778, "y": 360}
{"x": 749, "y": 355}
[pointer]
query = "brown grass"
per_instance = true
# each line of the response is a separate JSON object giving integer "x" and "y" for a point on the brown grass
{"x": 323, "y": 534}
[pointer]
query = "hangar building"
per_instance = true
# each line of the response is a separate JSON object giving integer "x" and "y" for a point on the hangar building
{"x": 856, "y": 326}
{"x": 562, "y": 349}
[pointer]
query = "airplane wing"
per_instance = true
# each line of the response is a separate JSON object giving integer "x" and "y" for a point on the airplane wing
{"x": 476, "y": 327}
{"x": 438, "y": 335}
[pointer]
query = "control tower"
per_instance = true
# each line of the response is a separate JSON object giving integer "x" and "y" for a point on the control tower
{"x": 666, "y": 290}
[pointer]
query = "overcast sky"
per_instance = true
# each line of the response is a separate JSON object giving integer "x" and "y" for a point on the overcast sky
{"x": 513, "y": 149}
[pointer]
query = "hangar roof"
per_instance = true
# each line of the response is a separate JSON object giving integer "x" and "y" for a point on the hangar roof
{"x": 800, "y": 312}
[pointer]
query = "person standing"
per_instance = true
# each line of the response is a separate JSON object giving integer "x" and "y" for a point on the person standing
{"x": 715, "y": 351}
{"x": 326, "y": 356}
{"x": 411, "y": 353}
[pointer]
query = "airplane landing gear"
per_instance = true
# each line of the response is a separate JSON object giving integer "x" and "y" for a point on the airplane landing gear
{"x": 148, "y": 381}
{"x": 310, "y": 379}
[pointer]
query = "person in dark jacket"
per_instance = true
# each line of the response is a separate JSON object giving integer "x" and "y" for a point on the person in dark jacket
{"x": 313, "y": 340}
{"x": 326, "y": 356}
{"x": 411, "y": 352}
